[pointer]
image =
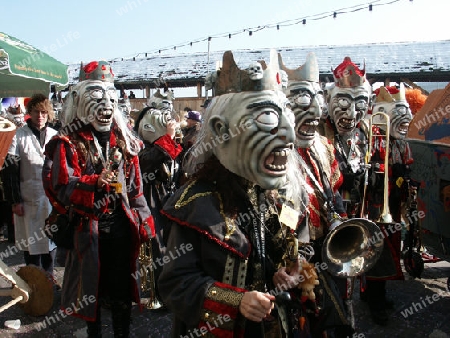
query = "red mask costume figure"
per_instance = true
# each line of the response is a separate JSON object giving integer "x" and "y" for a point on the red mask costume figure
{"x": 324, "y": 179}
{"x": 92, "y": 173}
{"x": 160, "y": 168}
{"x": 218, "y": 285}
{"x": 349, "y": 99}
{"x": 391, "y": 101}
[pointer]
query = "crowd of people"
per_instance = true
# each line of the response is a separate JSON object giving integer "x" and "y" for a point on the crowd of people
{"x": 235, "y": 203}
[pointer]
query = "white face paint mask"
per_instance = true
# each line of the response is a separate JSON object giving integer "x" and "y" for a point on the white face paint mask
{"x": 252, "y": 134}
{"x": 99, "y": 101}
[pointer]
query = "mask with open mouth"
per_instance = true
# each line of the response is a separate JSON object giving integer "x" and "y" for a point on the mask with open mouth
{"x": 307, "y": 99}
{"x": 248, "y": 125}
{"x": 392, "y": 101}
{"x": 350, "y": 97}
{"x": 152, "y": 124}
{"x": 100, "y": 102}
{"x": 95, "y": 96}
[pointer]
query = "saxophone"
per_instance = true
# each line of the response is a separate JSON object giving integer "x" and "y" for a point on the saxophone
{"x": 148, "y": 283}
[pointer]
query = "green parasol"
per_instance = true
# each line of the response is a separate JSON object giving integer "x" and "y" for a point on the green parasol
{"x": 25, "y": 70}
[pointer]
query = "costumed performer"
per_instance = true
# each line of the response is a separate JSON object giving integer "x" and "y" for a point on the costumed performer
{"x": 218, "y": 284}
{"x": 391, "y": 101}
{"x": 324, "y": 179}
{"x": 92, "y": 173}
{"x": 160, "y": 170}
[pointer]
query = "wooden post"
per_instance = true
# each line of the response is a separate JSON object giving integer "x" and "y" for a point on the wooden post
{"x": 199, "y": 89}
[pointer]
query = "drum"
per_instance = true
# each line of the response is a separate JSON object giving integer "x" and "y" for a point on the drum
{"x": 7, "y": 132}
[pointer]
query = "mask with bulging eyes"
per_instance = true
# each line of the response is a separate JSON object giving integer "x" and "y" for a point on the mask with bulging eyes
{"x": 98, "y": 102}
{"x": 348, "y": 106}
{"x": 399, "y": 115}
{"x": 153, "y": 125}
{"x": 257, "y": 127}
{"x": 307, "y": 101}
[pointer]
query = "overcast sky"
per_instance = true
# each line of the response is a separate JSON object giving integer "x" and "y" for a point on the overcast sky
{"x": 90, "y": 30}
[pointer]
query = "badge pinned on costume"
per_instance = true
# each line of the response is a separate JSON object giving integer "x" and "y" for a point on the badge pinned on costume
{"x": 289, "y": 216}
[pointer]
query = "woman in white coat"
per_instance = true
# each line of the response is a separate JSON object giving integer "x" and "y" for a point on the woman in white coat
{"x": 22, "y": 179}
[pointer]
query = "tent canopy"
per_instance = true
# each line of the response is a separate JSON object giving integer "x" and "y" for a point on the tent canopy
{"x": 25, "y": 70}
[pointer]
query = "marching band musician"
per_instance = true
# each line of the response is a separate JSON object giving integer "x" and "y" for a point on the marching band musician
{"x": 323, "y": 179}
{"x": 391, "y": 101}
{"x": 92, "y": 173}
{"x": 349, "y": 99}
{"x": 160, "y": 169}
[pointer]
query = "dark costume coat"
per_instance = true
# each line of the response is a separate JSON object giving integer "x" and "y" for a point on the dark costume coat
{"x": 160, "y": 171}
{"x": 351, "y": 159}
{"x": 210, "y": 267}
{"x": 400, "y": 157}
{"x": 70, "y": 181}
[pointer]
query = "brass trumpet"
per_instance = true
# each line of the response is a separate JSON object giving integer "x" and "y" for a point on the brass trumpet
{"x": 148, "y": 283}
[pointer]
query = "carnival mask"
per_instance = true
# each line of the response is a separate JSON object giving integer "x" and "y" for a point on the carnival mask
{"x": 349, "y": 97}
{"x": 306, "y": 103}
{"x": 348, "y": 106}
{"x": 392, "y": 101}
{"x": 98, "y": 102}
{"x": 306, "y": 97}
{"x": 251, "y": 133}
{"x": 153, "y": 124}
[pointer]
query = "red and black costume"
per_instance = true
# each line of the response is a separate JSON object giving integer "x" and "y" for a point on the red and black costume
{"x": 388, "y": 266}
{"x": 160, "y": 170}
{"x": 109, "y": 224}
{"x": 215, "y": 259}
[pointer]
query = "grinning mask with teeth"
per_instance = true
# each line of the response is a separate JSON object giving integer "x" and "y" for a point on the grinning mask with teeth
{"x": 307, "y": 99}
{"x": 248, "y": 126}
{"x": 349, "y": 97}
{"x": 152, "y": 124}
{"x": 252, "y": 135}
{"x": 94, "y": 97}
{"x": 392, "y": 101}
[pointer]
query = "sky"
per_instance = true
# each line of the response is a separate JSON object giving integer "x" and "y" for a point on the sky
{"x": 83, "y": 31}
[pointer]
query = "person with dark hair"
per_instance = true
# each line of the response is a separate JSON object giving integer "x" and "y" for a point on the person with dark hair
{"x": 22, "y": 181}
{"x": 132, "y": 95}
{"x": 219, "y": 283}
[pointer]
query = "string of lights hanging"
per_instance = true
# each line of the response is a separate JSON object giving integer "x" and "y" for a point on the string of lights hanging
{"x": 251, "y": 30}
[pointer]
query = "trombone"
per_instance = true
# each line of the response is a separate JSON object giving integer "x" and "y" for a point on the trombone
{"x": 385, "y": 216}
{"x": 353, "y": 246}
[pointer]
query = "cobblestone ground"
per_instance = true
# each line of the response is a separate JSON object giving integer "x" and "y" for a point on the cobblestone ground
{"x": 422, "y": 309}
